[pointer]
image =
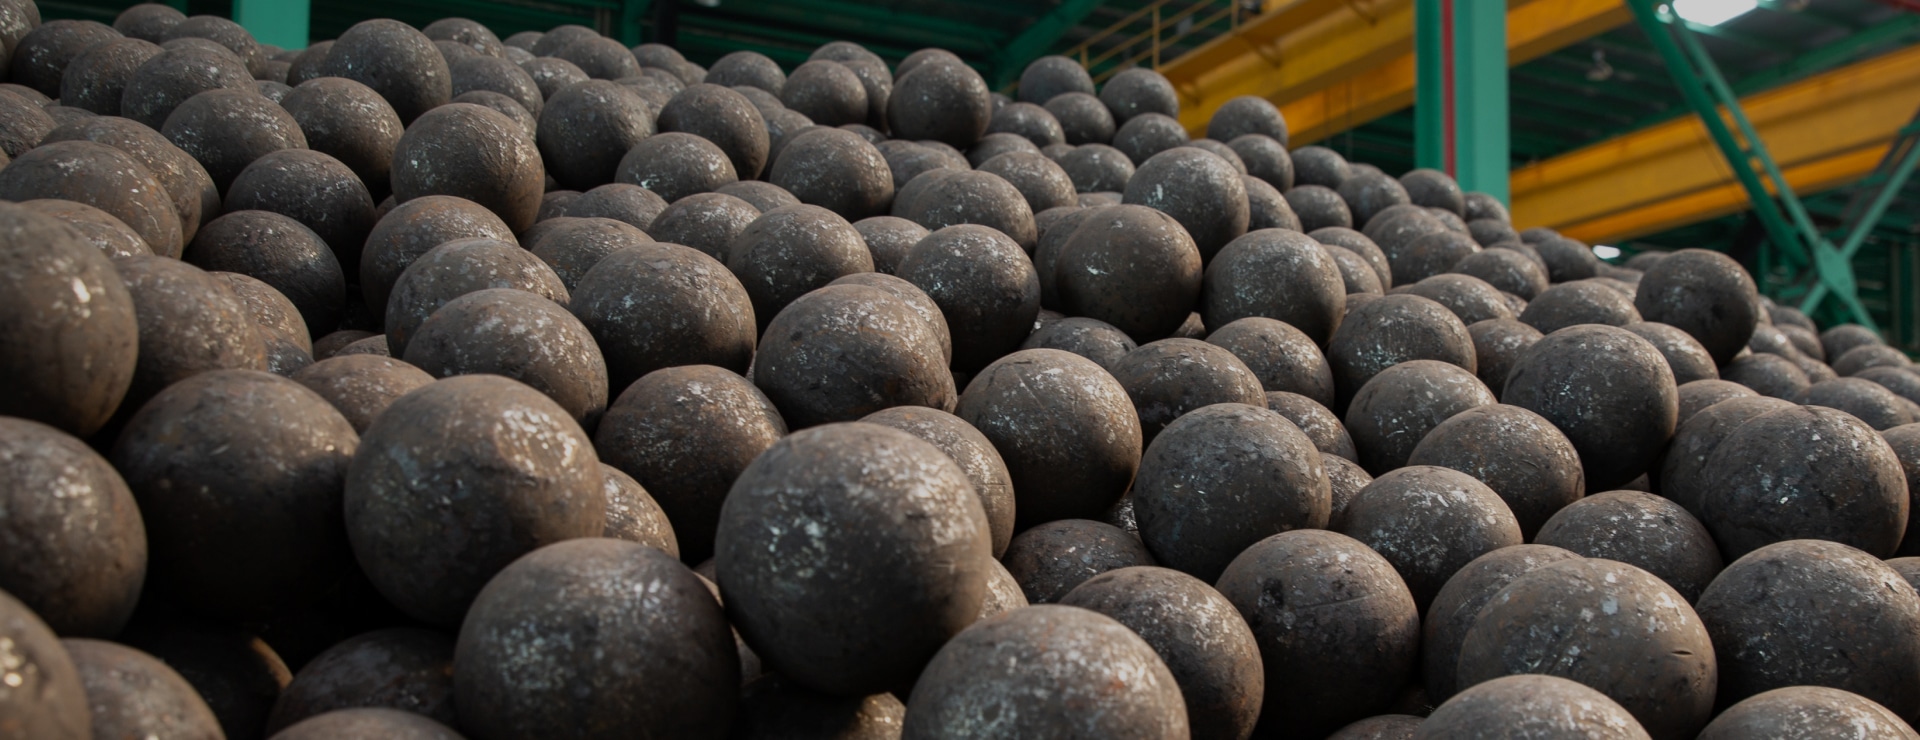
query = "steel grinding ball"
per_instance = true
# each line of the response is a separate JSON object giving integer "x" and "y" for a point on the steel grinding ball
{"x": 1196, "y": 632}
{"x": 519, "y": 335}
{"x": 1029, "y": 121}
{"x": 600, "y": 57}
{"x": 1905, "y": 441}
{"x": 1318, "y": 207}
{"x": 1051, "y": 559}
{"x": 985, "y": 287}
{"x": 634, "y": 516}
{"x": 1640, "y": 643}
{"x": 1277, "y": 274}
{"x": 674, "y": 165}
{"x": 1807, "y": 711}
{"x": 1682, "y": 476}
{"x": 361, "y": 386}
{"x": 788, "y": 252}
{"x": 765, "y": 196}
{"x": 1090, "y": 338}
{"x": 1567, "y": 260}
{"x": 587, "y": 128}
{"x": 835, "y": 169}
{"x": 101, "y": 176}
{"x": 1132, "y": 267}
{"x": 227, "y": 34}
{"x": 1052, "y": 76}
{"x": 1704, "y": 293}
{"x": 280, "y": 252}
{"x": 42, "y": 56}
{"x": 827, "y": 92}
{"x": 276, "y": 320}
{"x": 1324, "y": 429}
{"x": 190, "y": 322}
{"x": 1578, "y": 302}
{"x": 1052, "y": 670}
{"x": 1804, "y": 473}
{"x": 313, "y": 189}
{"x": 1222, "y": 478}
{"x": 1608, "y": 390}
{"x": 76, "y": 542}
{"x": 1044, "y": 184}
{"x": 1525, "y": 459}
{"x": 1472, "y": 299}
{"x": 1197, "y": 189}
{"x": 1496, "y": 346}
{"x": 970, "y": 197}
{"x": 1348, "y": 240}
{"x": 148, "y": 21}
{"x": 1642, "y": 530}
{"x": 773, "y": 707}
{"x": 1396, "y": 409}
{"x": 456, "y": 268}
{"x": 1065, "y": 427}
{"x": 1866, "y": 356}
{"x": 1136, "y": 91}
{"x": 47, "y": 698}
{"x": 1458, "y": 604}
{"x": 1768, "y": 375}
{"x": 972, "y": 451}
{"x": 133, "y": 694}
{"x": 1283, "y": 357}
{"x": 227, "y": 129}
{"x": 396, "y": 61}
{"x": 1531, "y": 706}
{"x": 475, "y": 153}
{"x": 1083, "y": 119}
{"x": 96, "y": 79}
{"x": 636, "y": 206}
{"x": 866, "y": 539}
{"x": 412, "y": 229}
{"x": 574, "y": 246}
{"x": 1337, "y": 629}
{"x": 1244, "y": 115}
{"x": 888, "y": 238}
{"x": 1685, "y": 357}
{"x": 623, "y": 639}
{"x": 747, "y": 68}
{"x": 941, "y": 99}
{"x": 1700, "y": 394}
{"x": 845, "y": 351}
{"x": 238, "y": 474}
{"x": 1864, "y": 399}
{"x": 725, "y": 118}
{"x": 1171, "y": 377}
{"x": 1815, "y": 613}
{"x": 552, "y": 75}
{"x": 915, "y": 298}
{"x": 541, "y": 484}
{"x": 685, "y": 433}
{"x": 1391, "y": 330}
{"x": 1837, "y": 340}
{"x": 1148, "y": 135}
{"x": 1429, "y": 522}
{"x": 69, "y": 331}
{"x": 659, "y": 305}
{"x": 194, "y": 197}
{"x": 368, "y": 723}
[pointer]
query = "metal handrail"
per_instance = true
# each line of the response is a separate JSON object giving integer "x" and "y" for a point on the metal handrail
{"x": 1153, "y": 34}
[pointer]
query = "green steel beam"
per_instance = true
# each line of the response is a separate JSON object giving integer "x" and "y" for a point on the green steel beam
{"x": 1738, "y": 37}
{"x": 868, "y": 20}
{"x": 1013, "y": 58}
{"x": 1460, "y": 92}
{"x": 283, "y": 23}
{"x": 631, "y": 14}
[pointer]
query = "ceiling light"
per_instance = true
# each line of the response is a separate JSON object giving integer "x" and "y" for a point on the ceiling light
{"x": 1605, "y": 252}
{"x": 1712, "y": 12}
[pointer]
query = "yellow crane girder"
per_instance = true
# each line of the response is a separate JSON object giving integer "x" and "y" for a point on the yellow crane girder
{"x": 1823, "y": 131}
{"x": 1334, "y": 64}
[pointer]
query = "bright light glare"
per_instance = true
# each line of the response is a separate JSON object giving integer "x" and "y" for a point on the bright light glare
{"x": 1605, "y": 252}
{"x": 1712, "y": 12}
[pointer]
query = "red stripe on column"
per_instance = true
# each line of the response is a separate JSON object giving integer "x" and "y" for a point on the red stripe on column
{"x": 1447, "y": 124}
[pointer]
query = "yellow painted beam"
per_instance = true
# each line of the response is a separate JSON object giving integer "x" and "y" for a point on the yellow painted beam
{"x": 1334, "y": 64}
{"x": 1823, "y": 131}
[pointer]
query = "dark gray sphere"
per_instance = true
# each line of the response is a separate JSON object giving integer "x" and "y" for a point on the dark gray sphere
{"x": 1052, "y": 76}
{"x": 1281, "y": 356}
{"x": 835, "y": 169}
{"x": 1458, "y": 604}
{"x": 941, "y": 99}
{"x": 429, "y": 562}
{"x": 1768, "y": 375}
{"x": 586, "y": 129}
{"x": 845, "y": 351}
{"x": 1804, "y": 473}
{"x": 1685, "y": 357}
{"x": 1058, "y": 669}
{"x": 1083, "y": 118}
{"x": 1531, "y": 706}
{"x": 190, "y": 322}
{"x": 519, "y": 335}
{"x": 1222, "y": 478}
{"x": 457, "y": 268}
{"x": 472, "y": 152}
{"x": 1704, "y": 293}
{"x": 412, "y": 229}
{"x": 101, "y": 176}
{"x": 1130, "y": 266}
{"x": 1387, "y": 331}
{"x": 1815, "y": 613}
{"x": 1640, "y": 644}
{"x": 1807, "y": 712}
{"x": 1171, "y": 377}
{"x": 133, "y": 694}
{"x": 1147, "y": 135}
{"x": 985, "y": 287}
{"x": 790, "y": 251}
{"x": 1196, "y": 632}
{"x": 350, "y": 122}
{"x": 1609, "y": 390}
{"x": 972, "y": 451}
{"x": 674, "y": 165}
{"x": 1065, "y": 427}
{"x": 1429, "y": 522}
{"x": 659, "y": 305}
{"x": 685, "y": 434}
{"x": 70, "y": 364}
{"x": 1642, "y": 530}
{"x": 77, "y": 543}
{"x": 1396, "y": 409}
{"x": 884, "y": 579}
{"x": 396, "y": 61}
{"x": 1340, "y": 643}
{"x": 1277, "y": 274}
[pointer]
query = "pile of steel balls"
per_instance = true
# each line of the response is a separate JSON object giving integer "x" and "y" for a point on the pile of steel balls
{"x": 420, "y": 384}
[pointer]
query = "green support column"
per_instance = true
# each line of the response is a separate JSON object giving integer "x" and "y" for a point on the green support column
{"x": 282, "y": 23}
{"x": 1460, "y": 92}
